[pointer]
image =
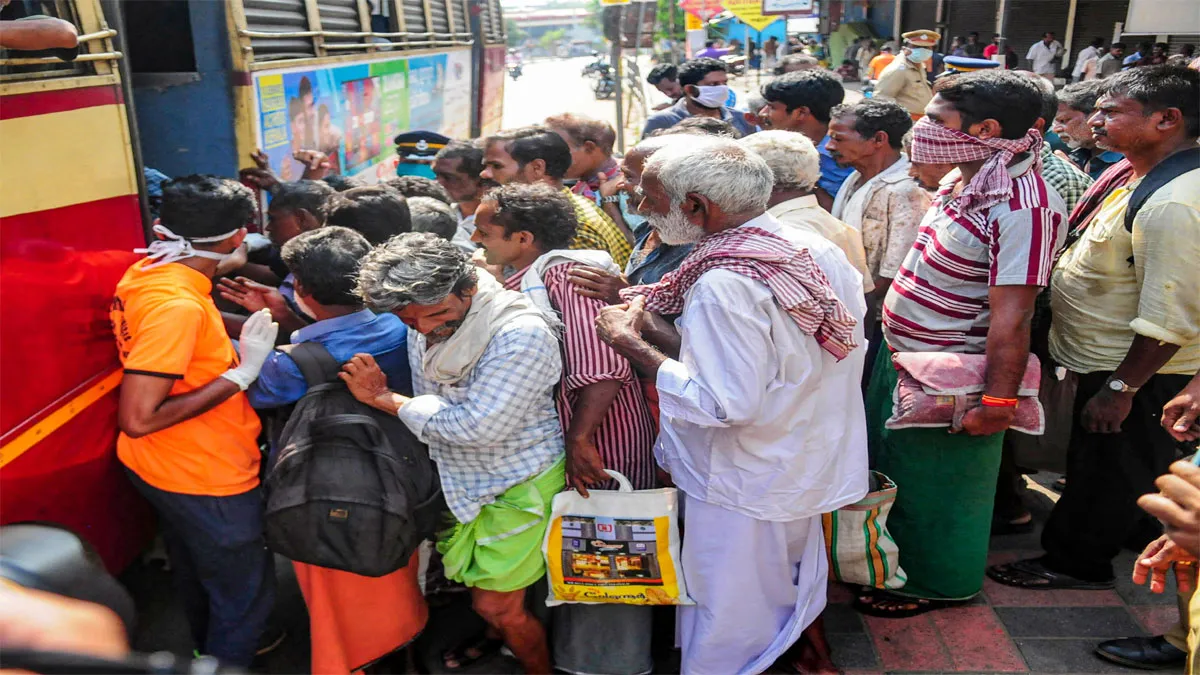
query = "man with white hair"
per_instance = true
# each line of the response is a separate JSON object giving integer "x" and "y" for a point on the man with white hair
{"x": 485, "y": 364}
{"x": 796, "y": 166}
{"x": 762, "y": 423}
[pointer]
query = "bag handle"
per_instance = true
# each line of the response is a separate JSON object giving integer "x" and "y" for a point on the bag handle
{"x": 328, "y": 423}
{"x": 622, "y": 482}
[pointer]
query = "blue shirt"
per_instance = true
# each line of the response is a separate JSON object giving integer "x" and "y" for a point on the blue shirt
{"x": 383, "y": 336}
{"x": 832, "y": 175}
{"x": 665, "y": 119}
{"x": 649, "y": 269}
{"x": 1094, "y": 166}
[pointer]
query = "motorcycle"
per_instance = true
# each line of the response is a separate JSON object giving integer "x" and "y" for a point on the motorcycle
{"x": 605, "y": 85}
{"x": 515, "y": 71}
{"x": 594, "y": 68}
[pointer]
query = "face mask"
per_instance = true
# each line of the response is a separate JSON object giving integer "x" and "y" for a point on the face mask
{"x": 632, "y": 219}
{"x": 712, "y": 97}
{"x": 920, "y": 54}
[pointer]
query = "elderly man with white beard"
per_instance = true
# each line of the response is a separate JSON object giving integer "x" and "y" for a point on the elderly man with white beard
{"x": 763, "y": 428}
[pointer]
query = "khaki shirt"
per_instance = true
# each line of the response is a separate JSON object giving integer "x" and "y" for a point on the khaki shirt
{"x": 905, "y": 84}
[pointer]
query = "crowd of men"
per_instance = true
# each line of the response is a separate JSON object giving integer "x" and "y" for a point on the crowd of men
{"x": 718, "y": 310}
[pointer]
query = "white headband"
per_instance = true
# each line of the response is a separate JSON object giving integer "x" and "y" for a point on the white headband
{"x": 174, "y": 247}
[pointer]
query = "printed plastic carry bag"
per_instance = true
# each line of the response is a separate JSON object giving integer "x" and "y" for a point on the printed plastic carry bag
{"x": 616, "y": 546}
{"x": 857, "y": 541}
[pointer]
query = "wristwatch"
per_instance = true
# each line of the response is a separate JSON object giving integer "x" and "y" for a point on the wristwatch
{"x": 1119, "y": 385}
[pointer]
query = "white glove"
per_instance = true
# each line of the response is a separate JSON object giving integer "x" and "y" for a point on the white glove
{"x": 255, "y": 345}
{"x": 256, "y": 242}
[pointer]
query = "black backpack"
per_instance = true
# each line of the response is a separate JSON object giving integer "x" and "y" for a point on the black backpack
{"x": 351, "y": 488}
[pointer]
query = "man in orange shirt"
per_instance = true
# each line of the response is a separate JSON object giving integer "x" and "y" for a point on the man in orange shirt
{"x": 883, "y": 60}
{"x": 188, "y": 435}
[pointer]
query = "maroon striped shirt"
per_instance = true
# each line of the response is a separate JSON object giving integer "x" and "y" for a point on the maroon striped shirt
{"x": 626, "y": 436}
{"x": 939, "y": 300}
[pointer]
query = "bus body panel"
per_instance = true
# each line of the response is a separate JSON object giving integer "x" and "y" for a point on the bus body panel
{"x": 71, "y": 218}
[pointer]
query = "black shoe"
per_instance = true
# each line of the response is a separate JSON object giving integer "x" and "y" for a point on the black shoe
{"x": 1144, "y": 653}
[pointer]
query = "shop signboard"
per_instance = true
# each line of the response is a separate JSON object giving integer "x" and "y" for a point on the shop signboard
{"x": 789, "y": 7}
{"x": 750, "y": 12}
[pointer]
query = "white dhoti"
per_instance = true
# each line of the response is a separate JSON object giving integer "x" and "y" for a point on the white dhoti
{"x": 757, "y": 585}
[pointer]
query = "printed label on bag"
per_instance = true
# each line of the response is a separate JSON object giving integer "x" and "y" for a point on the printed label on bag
{"x": 604, "y": 559}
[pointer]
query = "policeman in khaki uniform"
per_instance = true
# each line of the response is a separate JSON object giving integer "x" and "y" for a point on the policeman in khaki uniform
{"x": 904, "y": 80}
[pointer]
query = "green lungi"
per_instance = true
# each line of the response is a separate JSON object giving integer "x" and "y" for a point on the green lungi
{"x": 501, "y": 549}
{"x": 942, "y": 519}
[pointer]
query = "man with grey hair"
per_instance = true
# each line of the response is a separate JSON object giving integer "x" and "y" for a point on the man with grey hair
{"x": 762, "y": 424}
{"x": 796, "y": 165}
{"x": 435, "y": 217}
{"x": 485, "y": 364}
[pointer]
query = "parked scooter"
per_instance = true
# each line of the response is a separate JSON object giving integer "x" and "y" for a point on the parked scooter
{"x": 605, "y": 86}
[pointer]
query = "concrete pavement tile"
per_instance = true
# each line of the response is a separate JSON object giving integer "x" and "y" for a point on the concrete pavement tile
{"x": 1132, "y": 593}
{"x": 976, "y": 640}
{"x": 1065, "y": 656}
{"x": 842, "y": 619}
{"x": 1010, "y": 596}
{"x": 908, "y": 644}
{"x": 1156, "y": 619}
{"x": 1068, "y": 622}
{"x": 853, "y": 652}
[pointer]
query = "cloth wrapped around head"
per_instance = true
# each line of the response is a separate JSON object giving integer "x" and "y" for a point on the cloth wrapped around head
{"x": 936, "y": 144}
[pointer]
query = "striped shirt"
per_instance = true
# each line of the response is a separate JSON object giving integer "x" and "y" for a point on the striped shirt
{"x": 625, "y": 438}
{"x": 939, "y": 300}
{"x": 597, "y": 231}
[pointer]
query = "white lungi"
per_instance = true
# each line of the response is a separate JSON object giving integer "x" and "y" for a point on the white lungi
{"x": 757, "y": 585}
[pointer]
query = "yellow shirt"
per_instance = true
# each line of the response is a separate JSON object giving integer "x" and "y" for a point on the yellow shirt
{"x": 1100, "y": 300}
{"x": 597, "y": 231}
{"x": 167, "y": 326}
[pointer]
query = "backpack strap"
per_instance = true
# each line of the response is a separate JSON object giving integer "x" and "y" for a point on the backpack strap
{"x": 314, "y": 361}
{"x": 1164, "y": 172}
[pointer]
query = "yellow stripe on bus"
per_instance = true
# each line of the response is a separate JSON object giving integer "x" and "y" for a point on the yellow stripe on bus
{"x": 31, "y": 436}
{"x": 98, "y": 161}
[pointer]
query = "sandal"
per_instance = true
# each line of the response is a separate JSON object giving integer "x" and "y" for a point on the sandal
{"x": 888, "y": 605}
{"x": 1034, "y": 575}
{"x": 1059, "y": 485}
{"x": 471, "y": 651}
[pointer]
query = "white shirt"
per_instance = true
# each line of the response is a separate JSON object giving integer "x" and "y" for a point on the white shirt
{"x": 755, "y": 416}
{"x": 1086, "y": 54}
{"x": 466, "y": 228}
{"x": 1042, "y": 57}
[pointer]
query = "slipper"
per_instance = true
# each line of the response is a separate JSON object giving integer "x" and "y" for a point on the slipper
{"x": 470, "y": 652}
{"x": 889, "y": 605}
{"x": 1034, "y": 575}
{"x": 1059, "y": 485}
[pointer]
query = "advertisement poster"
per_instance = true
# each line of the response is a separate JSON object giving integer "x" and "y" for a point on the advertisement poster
{"x": 456, "y": 105}
{"x": 352, "y": 112}
{"x": 491, "y": 99}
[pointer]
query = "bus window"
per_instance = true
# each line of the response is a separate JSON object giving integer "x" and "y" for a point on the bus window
{"x": 49, "y": 65}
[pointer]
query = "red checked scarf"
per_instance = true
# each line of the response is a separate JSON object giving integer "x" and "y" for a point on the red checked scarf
{"x": 936, "y": 144}
{"x": 798, "y": 284}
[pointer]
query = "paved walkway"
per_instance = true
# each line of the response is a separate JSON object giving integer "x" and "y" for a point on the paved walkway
{"x": 1005, "y": 629}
